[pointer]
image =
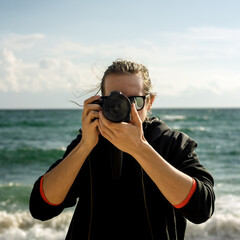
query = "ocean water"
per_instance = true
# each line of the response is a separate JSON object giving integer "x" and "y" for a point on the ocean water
{"x": 31, "y": 140}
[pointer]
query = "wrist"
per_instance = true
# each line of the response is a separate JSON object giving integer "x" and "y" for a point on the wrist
{"x": 83, "y": 147}
{"x": 141, "y": 147}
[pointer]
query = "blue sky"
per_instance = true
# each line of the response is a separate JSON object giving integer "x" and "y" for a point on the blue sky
{"x": 51, "y": 51}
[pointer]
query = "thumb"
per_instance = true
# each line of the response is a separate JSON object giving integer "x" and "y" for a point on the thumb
{"x": 135, "y": 119}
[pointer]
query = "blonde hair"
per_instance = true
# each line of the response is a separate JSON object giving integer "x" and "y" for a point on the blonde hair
{"x": 127, "y": 67}
{"x": 121, "y": 67}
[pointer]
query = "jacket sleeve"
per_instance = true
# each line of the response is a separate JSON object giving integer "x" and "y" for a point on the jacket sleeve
{"x": 201, "y": 205}
{"x": 44, "y": 211}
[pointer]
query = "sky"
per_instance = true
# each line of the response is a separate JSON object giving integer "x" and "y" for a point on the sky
{"x": 53, "y": 51}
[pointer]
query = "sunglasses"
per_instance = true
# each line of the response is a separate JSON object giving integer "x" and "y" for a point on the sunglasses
{"x": 139, "y": 101}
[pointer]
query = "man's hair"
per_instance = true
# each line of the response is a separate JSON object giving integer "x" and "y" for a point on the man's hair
{"x": 123, "y": 67}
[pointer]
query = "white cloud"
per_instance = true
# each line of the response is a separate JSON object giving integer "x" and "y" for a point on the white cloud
{"x": 8, "y": 70}
{"x": 204, "y": 43}
{"x": 199, "y": 58}
{"x": 206, "y": 33}
{"x": 18, "y": 42}
{"x": 48, "y": 74}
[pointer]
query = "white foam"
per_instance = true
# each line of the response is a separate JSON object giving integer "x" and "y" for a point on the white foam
{"x": 228, "y": 204}
{"x": 21, "y": 225}
{"x": 63, "y": 149}
{"x": 219, "y": 227}
{"x": 225, "y": 224}
{"x": 10, "y": 184}
{"x": 173, "y": 117}
{"x": 199, "y": 128}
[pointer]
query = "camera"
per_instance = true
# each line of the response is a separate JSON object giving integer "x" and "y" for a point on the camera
{"x": 116, "y": 107}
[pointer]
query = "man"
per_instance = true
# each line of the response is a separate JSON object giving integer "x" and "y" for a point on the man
{"x": 162, "y": 183}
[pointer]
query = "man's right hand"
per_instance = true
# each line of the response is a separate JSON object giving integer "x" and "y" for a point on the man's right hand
{"x": 90, "y": 118}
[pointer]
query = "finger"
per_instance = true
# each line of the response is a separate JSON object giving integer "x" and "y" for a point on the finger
{"x": 135, "y": 119}
{"x": 105, "y": 132}
{"x": 88, "y": 108}
{"x": 92, "y": 115}
{"x": 104, "y": 123}
{"x": 95, "y": 124}
{"x": 109, "y": 124}
{"x": 91, "y": 107}
{"x": 91, "y": 99}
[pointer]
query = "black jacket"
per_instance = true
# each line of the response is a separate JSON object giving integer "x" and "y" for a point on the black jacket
{"x": 132, "y": 207}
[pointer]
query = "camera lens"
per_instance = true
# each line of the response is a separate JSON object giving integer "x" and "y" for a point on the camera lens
{"x": 117, "y": 107}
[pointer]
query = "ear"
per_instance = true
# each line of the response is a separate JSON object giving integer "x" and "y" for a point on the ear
{"x": 150, "y": 102}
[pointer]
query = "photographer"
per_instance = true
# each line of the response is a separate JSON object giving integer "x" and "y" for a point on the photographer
{"x": 158, "y": 181}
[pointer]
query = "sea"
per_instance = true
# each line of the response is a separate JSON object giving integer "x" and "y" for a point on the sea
{"x": 31, "y": 140}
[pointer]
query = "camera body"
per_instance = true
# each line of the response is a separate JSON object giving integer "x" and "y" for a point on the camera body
{"x": 116, "y": 107}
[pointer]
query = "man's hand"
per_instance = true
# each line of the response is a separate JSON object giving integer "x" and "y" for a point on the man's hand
{"x": 125, "y": 136}
{"x": 90, "y": 119}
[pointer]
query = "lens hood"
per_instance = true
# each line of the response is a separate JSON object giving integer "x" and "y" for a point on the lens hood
{"x": 116, "y": 107}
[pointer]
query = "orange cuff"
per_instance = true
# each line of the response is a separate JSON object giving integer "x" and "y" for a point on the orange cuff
{"x": 43, "y": 195}
{"x": 184, "y": 202}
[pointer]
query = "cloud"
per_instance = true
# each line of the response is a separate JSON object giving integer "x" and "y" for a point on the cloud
{"x": 199, "y": 97}
{"x": 206, "y": 33}
{"x": 20, "y": 42}
{"x": 204, "y": 43}
{"x": 47, "y": 74}
{"x": 8, "y": 70}
{"x": 198, "y": 58}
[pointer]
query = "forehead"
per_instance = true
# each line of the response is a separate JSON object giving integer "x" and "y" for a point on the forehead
{"x": 128, "y": 84}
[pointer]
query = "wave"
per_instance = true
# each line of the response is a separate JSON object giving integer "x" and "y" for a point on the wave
{"x": 29, "y": 155}
{"x": 14, "y": 196}
{"x": 223, "y": 225}
{"x": 33, "y": 123}
{"x": 173, "y": 117}
{"x": 21, "y": 226}
{"x": 27, "y": 124}
{"x": 38, "y": 118}
{"x": 180, "y": 117}
{"x": 190, "y": 129}
{"x": 220, "y": 227}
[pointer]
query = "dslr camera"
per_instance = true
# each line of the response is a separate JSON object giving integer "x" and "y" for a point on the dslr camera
{"x": 116, "y": 107}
